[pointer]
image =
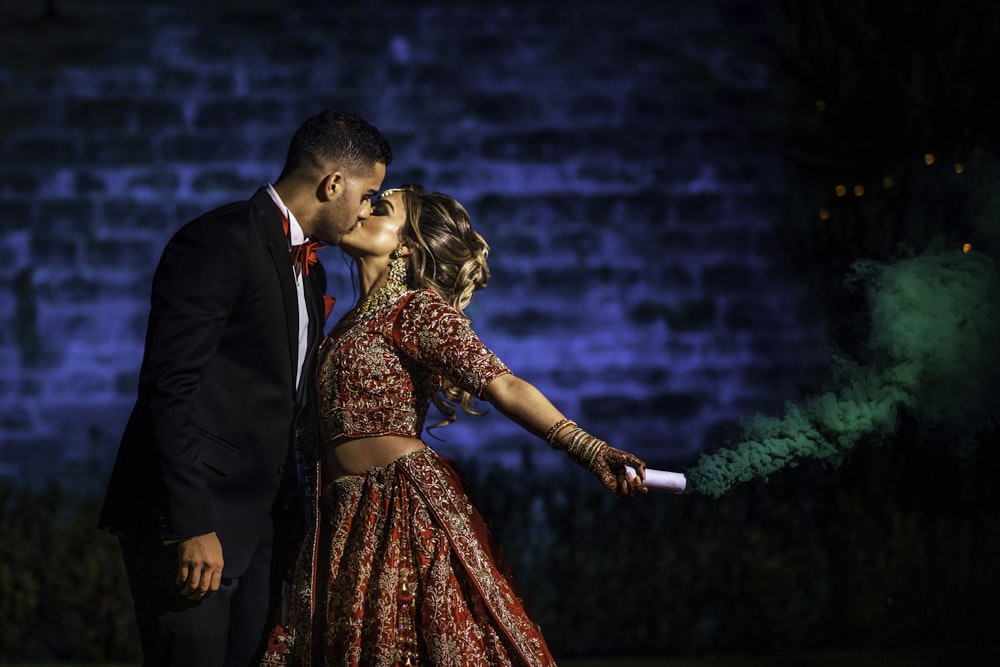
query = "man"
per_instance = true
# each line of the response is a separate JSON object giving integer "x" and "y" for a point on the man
{"x": 237, "y": 313}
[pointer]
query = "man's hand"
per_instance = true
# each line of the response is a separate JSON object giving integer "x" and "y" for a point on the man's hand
{"x": 199, "y": 566}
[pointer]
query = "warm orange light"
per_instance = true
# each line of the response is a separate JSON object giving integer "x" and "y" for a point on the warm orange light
{"x": 966, "y": 248}
{"x": 859, "y": 190}
{"x": 824, "y": 214}
{"x": 887, "y": 181}
{"x": 840, "y": 190}
{"x": 929, "y": 159}
{"x": 959, "y": 167}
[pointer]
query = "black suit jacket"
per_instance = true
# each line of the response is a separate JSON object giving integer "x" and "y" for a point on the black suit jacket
{"x": 208, "y": 444}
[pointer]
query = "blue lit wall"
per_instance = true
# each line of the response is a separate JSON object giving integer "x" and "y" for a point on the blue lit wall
{"x": 612, "y": 154}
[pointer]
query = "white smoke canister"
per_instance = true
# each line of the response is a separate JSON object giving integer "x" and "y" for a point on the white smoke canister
{"x": 661, "y": 480}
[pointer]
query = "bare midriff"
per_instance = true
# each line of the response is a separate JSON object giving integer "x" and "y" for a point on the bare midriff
{"x": 355, "y": 456}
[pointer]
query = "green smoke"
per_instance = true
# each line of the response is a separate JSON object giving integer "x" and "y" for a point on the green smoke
{"x": 934, "y": 347}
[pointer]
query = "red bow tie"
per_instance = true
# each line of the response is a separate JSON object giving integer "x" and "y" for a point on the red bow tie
{"x": 303, "y": 255}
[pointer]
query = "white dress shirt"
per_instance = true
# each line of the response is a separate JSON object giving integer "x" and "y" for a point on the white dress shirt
{"x": 296, "y": 237}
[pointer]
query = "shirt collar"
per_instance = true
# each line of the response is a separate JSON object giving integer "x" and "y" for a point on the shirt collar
{"x": 295, "y": 233}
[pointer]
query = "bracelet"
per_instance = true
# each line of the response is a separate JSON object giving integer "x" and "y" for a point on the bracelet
{"x": 598, "y": 448}
{"x": 550, "y": 437}
{"x": 588, "y": 451}
{"x": 581, "y": 446}
{"x": 576, "y": 441}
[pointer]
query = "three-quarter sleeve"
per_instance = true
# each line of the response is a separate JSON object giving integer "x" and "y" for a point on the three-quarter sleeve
{"x": 431, "y": 332}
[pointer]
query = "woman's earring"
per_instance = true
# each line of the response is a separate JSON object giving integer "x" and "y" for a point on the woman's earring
{"x": 397, "y": 267}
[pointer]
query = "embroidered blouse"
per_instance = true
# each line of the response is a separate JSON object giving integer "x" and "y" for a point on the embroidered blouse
{"x": 378, "y": 373}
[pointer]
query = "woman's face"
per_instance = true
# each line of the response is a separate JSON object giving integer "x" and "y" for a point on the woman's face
{"x": 379, "y": 234}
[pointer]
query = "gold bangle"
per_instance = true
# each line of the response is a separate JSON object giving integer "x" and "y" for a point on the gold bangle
{"x": 587, "y": 451}
{"x": 601, "y": 446}
{"x": 576, "y": 441}
{"x": 550, "y": 437}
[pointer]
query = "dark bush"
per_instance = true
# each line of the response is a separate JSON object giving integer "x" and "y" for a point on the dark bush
{"x": 895, "y": 548}
{"x": 63, "y": 593}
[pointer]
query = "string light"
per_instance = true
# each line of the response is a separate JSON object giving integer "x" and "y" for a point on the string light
{"x": 966, "y": 248}
{"x": 841, "y": 190}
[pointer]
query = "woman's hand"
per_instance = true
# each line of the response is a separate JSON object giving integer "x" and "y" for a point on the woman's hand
{"x": 609, "y": 467}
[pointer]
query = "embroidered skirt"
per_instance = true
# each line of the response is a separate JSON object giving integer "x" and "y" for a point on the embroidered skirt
{"x": 407, "y": 572}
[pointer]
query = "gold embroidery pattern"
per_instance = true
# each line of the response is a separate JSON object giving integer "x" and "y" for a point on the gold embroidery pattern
{"x": 398, "y": 566}
{"x": 410, "y": 523}
{"x": 466, "y": 615}
{"x": 376, "y": 375}
{"x": 505, "y": 625}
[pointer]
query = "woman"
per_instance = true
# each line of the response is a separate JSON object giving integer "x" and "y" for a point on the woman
{"x": 401, "y": 568}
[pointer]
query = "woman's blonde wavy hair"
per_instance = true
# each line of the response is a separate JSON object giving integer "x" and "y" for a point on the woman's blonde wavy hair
{"x": 449, "y": 257}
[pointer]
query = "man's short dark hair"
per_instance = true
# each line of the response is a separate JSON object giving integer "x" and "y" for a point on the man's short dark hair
{"x": 336, "y": 139}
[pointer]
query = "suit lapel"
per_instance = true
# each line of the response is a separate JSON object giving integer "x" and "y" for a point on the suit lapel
{"x": 277, "y": 246}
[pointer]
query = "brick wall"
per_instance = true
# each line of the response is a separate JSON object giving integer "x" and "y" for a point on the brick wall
{"x": 610, "y": 153}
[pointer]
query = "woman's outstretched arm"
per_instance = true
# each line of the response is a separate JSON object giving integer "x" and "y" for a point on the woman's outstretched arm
{"x": 525, "y": 405}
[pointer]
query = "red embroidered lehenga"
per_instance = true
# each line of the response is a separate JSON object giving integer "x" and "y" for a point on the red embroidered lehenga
{"x": 399, "y": 567}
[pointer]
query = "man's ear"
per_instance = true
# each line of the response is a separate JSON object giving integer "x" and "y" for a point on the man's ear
{"x": 332, "y": 186}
